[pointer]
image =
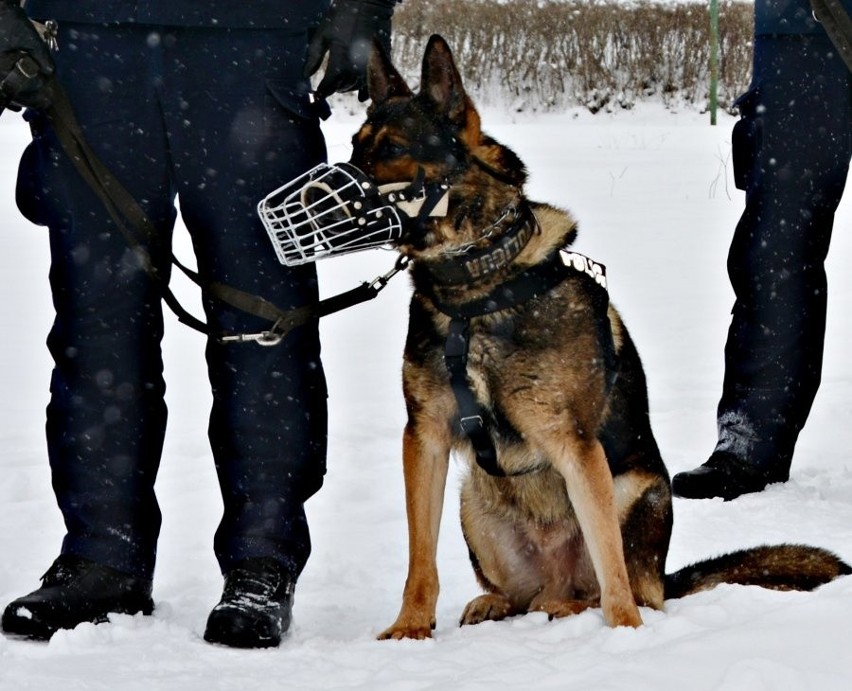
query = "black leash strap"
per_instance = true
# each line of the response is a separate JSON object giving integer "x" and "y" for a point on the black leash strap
{"x": 837, "y": 24}
{"x": 119, "y": 204}
{"x": 134, "y": 225}
{"x": 290, "y": 319}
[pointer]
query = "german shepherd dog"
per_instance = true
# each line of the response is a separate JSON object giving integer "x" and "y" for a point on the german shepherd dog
{"x": 567, "y": 503}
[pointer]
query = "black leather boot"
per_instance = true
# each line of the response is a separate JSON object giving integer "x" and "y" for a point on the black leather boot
{"x": 256, "y": 606}
{"x": 724, "y": 475}
{"x": 72, "y": 591}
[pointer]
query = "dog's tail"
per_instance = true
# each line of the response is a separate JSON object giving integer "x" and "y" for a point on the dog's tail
{"x": 777, "y": 567}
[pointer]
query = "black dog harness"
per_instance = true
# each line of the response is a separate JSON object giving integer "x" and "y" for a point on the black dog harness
{"x": 536, "y": 281}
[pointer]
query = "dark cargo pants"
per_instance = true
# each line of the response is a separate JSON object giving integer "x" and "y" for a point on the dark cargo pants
{"x": 218, "y": 118}
{"x": 791, "y": 153}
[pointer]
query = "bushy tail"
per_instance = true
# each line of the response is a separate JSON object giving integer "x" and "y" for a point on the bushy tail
{"x": 778, "y": 567}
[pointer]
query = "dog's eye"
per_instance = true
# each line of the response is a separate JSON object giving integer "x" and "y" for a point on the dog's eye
{"x": 392, "y": 149}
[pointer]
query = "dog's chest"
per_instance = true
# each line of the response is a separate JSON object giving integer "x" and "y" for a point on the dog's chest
{"x": 506, "y": 374}
{"x": 523, "y": 363}
{"x": 509, "y": 356}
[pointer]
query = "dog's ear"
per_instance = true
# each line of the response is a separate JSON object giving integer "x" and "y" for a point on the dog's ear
{"x": 383, "y": 80}
{"x": 442, "y": 83}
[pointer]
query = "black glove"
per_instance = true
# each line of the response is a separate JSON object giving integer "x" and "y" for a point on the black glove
{"x": 25, "y": 61}
{"x": 347, "y": 34}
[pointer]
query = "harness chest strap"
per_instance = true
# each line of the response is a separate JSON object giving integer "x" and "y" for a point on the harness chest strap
{"x": 536, "y": 281}
{"x": 471, "y": 414}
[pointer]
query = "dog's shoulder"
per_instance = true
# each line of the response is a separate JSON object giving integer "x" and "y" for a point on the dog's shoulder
{"x": 555, "y": 222}
{"x": 557, "y": 229}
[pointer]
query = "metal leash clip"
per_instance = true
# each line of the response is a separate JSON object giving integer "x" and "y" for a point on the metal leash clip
{"x": 380, "y": 282}
{"x": 271, "y": 337}
{"x": 51, "y": 35}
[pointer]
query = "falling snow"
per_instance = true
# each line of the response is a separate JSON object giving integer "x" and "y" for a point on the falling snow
{"x": 653, "y": 193}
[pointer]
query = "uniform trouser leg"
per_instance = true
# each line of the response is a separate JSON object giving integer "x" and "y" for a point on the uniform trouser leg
{"x": 166, "y": 117}
{"x": 791, "y": 155}
{"x": 247, "y": 109}
{"x": 106, "y": 415}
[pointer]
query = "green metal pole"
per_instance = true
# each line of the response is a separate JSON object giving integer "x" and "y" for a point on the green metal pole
{"x": 714, "y": 59}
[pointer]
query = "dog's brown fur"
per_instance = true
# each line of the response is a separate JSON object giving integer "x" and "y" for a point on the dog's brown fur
{"x": 590, "y": 526}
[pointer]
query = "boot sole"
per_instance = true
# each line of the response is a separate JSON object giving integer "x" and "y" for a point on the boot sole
{"x": 30, "y": 627}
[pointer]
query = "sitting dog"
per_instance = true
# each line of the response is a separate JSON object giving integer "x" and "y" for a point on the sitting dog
{"x": 516, "y": 360}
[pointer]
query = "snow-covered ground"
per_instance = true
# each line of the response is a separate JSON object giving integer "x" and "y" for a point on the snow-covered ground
{"x": 656, "y": 204}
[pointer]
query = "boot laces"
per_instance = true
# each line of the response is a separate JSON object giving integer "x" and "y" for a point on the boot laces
{"x": 247, "y": 589}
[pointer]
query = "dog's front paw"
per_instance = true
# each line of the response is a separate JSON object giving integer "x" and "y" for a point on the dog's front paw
{"x": 407, "y": 628}
{"x": 626, "y": 615}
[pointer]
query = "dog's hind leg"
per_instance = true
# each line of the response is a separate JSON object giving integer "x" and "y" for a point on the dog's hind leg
{"x": 556, "y": 609}
{"x": 499, "y": 558}
{"x": 514, "y": 559}
{"x": 644, "y": 506}
{"x": 488, "y": 607}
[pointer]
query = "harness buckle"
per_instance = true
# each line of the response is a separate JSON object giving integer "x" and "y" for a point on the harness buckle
{"x": 472, "y": 423}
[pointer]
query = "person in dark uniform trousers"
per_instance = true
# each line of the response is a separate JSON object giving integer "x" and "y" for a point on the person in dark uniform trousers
{"x": 791, "y": 152}
{"x": 207, "y": 101}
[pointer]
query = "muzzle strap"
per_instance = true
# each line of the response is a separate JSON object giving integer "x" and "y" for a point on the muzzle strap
{"x": 426, "y": 196}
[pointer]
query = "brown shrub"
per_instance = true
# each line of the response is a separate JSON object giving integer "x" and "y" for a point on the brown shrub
{"x": 549, "y": 54}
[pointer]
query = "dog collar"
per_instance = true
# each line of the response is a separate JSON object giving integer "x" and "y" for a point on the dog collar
{"x": 475, "y": 264}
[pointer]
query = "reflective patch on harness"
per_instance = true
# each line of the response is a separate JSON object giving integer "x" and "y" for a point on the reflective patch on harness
{"x": 582, "y": 263}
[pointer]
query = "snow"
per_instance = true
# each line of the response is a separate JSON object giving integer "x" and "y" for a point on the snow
{"x": 653, "y": 192}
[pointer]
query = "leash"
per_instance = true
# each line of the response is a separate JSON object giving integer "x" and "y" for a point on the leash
{"x": 295, "y": 317}
{"x": 837, "y": 24}
{"x": 135, "y": 226}
{"x": 474, "y": 419}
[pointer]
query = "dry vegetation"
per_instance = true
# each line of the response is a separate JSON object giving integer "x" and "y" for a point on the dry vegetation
{"x": 548, "y": 54}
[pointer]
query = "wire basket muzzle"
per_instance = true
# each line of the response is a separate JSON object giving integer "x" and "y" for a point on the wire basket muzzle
{"x": 331, "y": 210}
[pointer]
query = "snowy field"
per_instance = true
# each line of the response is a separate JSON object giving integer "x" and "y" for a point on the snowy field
{"x": 653, "y": 192}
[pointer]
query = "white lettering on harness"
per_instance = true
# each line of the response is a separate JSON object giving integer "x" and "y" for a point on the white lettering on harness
{"x": 587, "y": 266}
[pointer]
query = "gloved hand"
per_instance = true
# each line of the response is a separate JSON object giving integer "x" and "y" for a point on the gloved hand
{"x": 25, "y": 61}
{"x": 347, "y": 35}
